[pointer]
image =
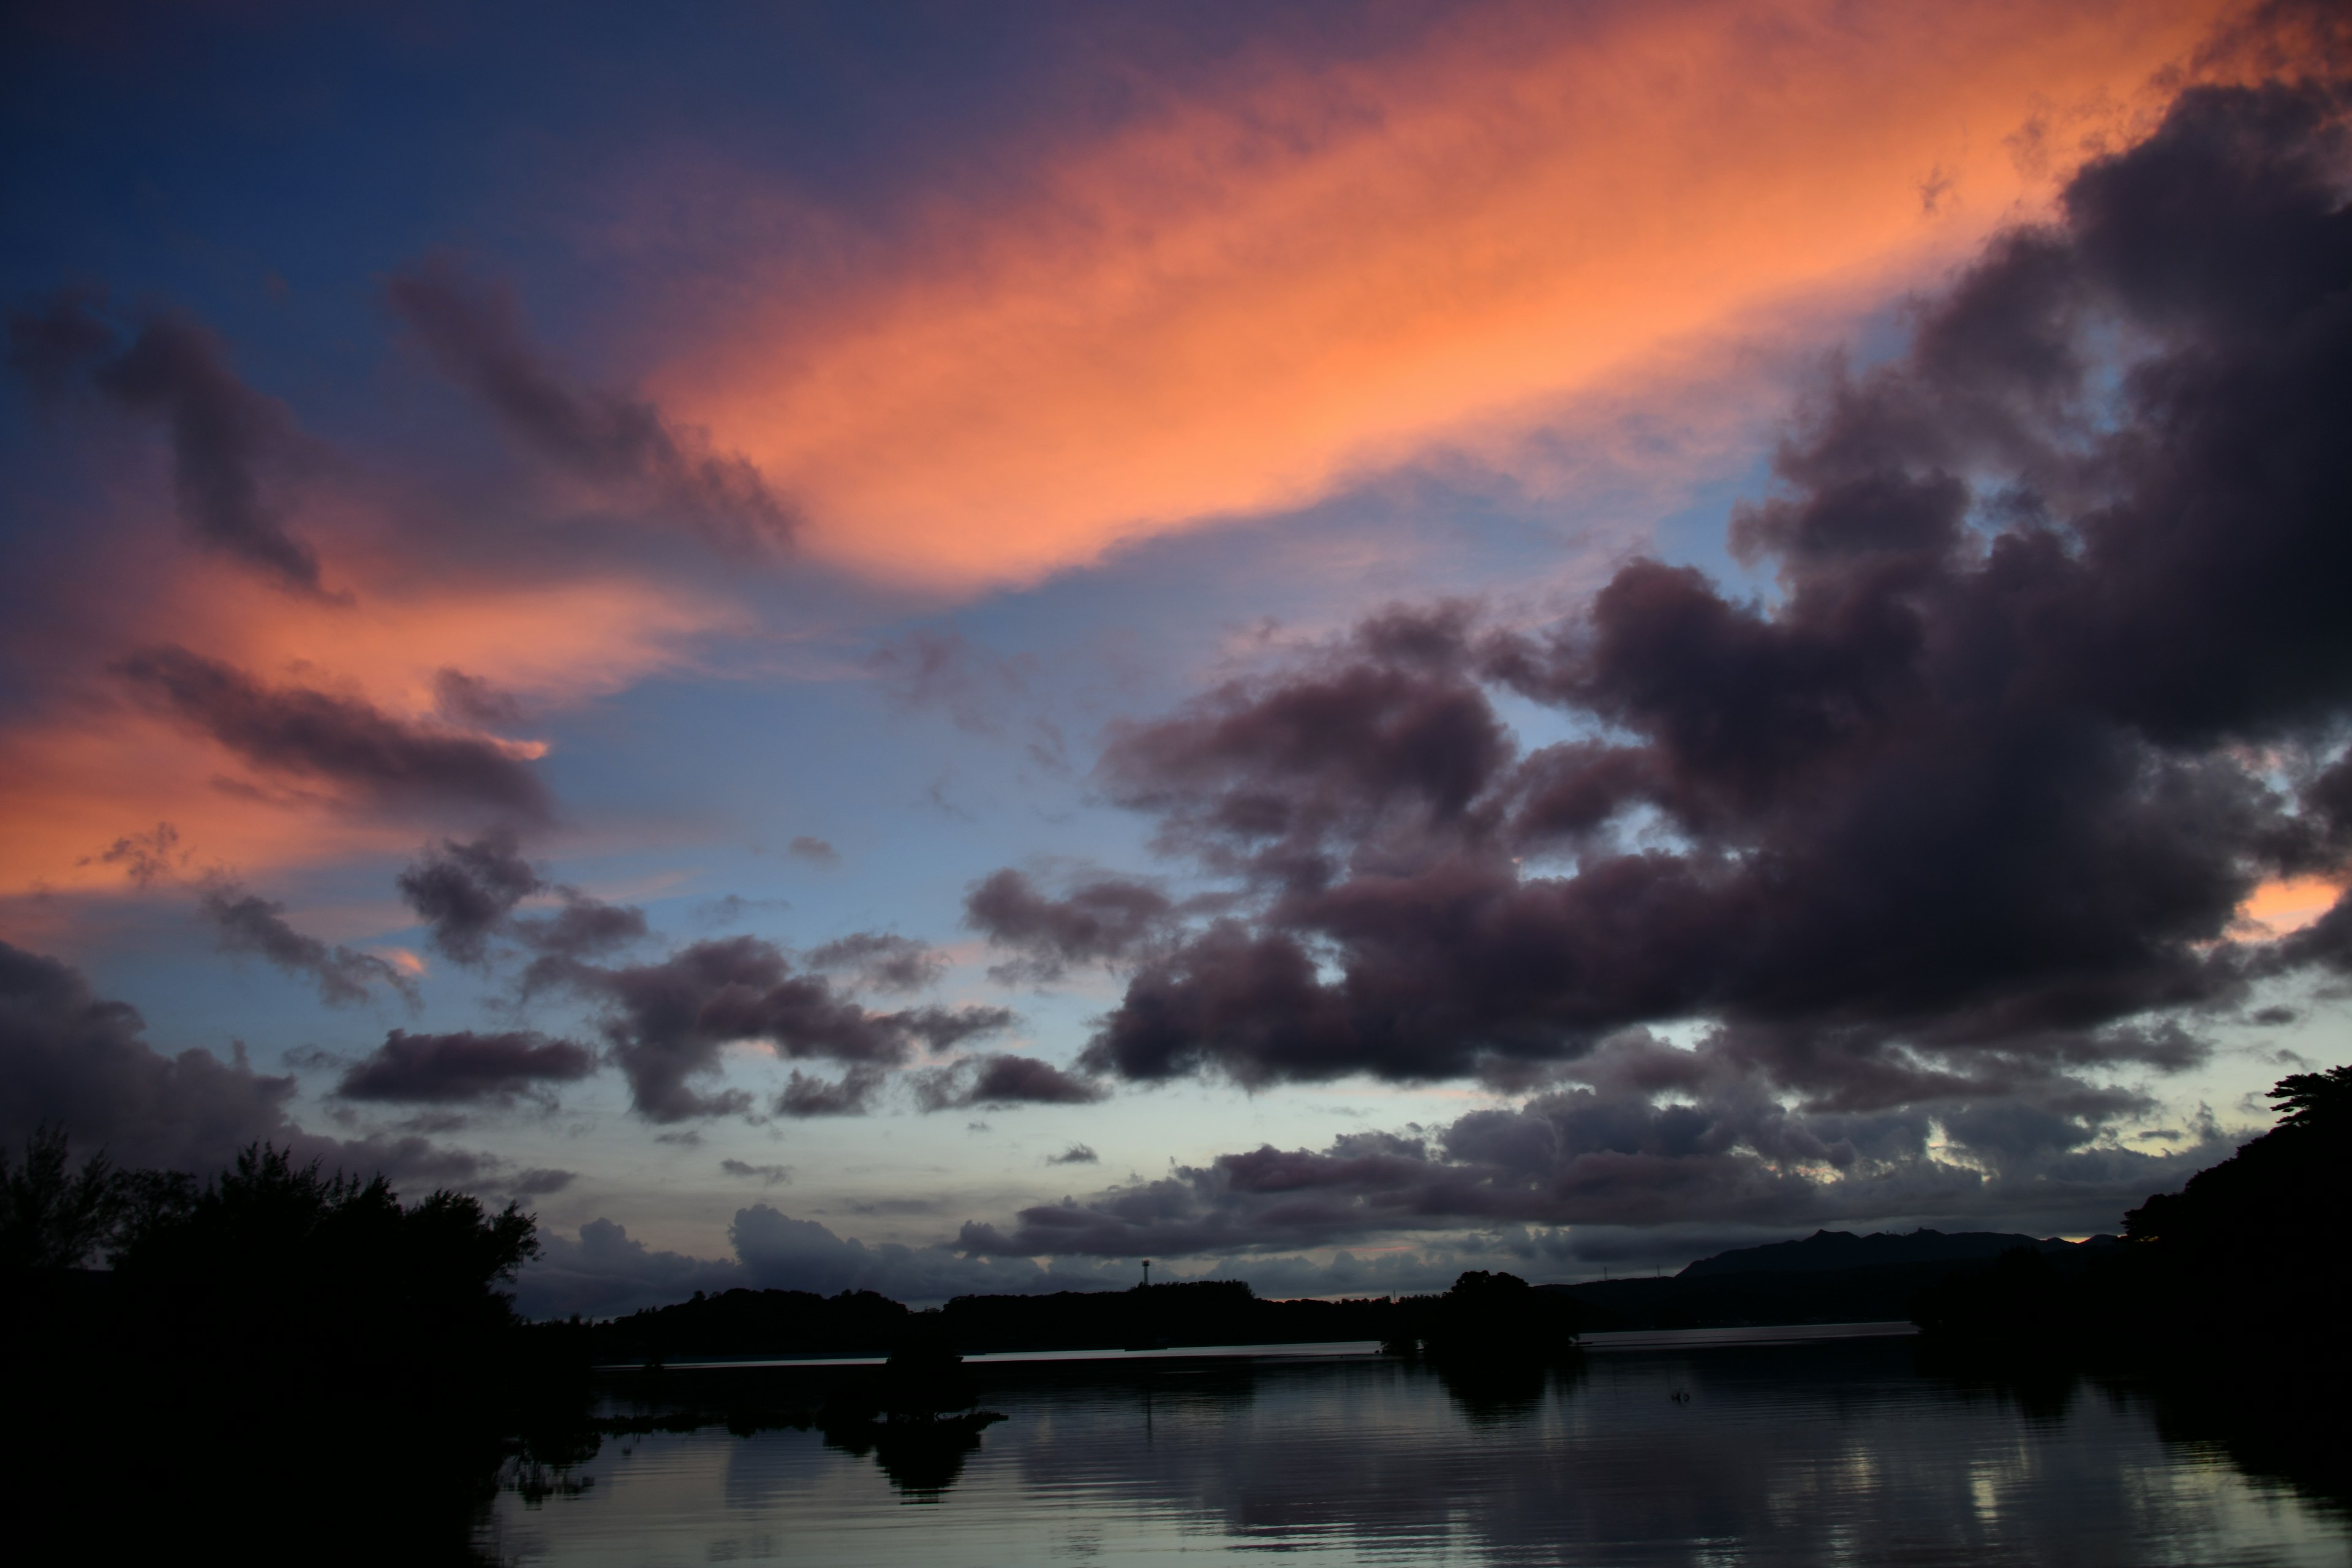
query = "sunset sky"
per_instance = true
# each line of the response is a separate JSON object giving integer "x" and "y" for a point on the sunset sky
{"x": 941, "y": 647}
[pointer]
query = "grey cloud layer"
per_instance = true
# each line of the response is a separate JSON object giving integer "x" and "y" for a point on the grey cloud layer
{"x": 1654, "y": 1136}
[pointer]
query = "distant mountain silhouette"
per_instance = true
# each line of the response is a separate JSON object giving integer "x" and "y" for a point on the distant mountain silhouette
{"x": 1829, "y": 1277}
{"x": 1828, "y": 1250}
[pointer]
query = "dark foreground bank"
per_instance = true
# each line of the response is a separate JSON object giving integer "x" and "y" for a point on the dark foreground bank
{"x": 2245, "y": 1265}
{"x": 275, "y": 1358}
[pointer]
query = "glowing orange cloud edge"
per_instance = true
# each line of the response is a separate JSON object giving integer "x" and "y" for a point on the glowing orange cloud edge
{"x": 1235, "y": 305}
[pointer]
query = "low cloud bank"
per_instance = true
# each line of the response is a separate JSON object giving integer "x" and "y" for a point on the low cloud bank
{"x": 1644, "y": 1135}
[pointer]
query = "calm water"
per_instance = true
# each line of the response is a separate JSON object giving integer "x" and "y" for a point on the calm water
{"x": 1820, "y": 1452}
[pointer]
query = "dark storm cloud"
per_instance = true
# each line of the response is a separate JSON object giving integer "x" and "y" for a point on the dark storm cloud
{"x": 1653, "y": 1135}
{"x": 230, "y": 445}
{"x": 668, "y": 1023}
{"x": 1100, "y": 920}
{"x": 296, "y": 730}
{"x": 1000, "y": 1082}
{"x": 1967, "y": 805}
{"x": 881, "y": 960}
{"x": 474, "y": 332}
{"x": 464, "y": 1067}
{"x": 247, "y": 922}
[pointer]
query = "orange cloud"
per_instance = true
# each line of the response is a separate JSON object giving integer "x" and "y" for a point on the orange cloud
{"x": 1255, "y": 292}
{"x": 95, "y": 768}
{"x": 549, "y": 643}
{"x": 2289, "y": 904}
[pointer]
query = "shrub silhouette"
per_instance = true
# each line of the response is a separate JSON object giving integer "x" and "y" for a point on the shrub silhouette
{"x": 293, "y": 1340}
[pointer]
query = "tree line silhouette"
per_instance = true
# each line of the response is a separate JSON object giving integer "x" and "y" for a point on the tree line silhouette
{"x": 1483, "y": 1315}
{"x": 279, "y": 1356}
{"x": 2250, "y": 1250}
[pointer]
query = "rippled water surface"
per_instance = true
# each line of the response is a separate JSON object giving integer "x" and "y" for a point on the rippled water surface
{"x": 1810, "y": 1453}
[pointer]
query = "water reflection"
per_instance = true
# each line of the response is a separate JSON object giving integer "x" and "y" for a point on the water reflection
{"x": 1796, "y": 1454}
{"x": 921, "y": 1464}
{"x": 1491, "y": 1395}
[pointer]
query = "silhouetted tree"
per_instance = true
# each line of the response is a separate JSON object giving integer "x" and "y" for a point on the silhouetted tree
{"x": 349, "y": 1364}
{"x": 2250, "y": 1246}
{"x": 1494, "y": 1318}
{"x": 52, "y": 1217}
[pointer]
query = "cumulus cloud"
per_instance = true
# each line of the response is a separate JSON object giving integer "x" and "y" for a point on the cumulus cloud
{"x": 851, "y": 1094}
{"x": 247, "y": 922}
{"x": 344, "y": 740}
{"x": 232, "y": 447}
{"x": 881, "y": 960}
{"x": 1076, "y": 1154}
{"x": 2054, "y": 677}
{"x": 474, "y": 335}
{"x": 773, "y": 1175}
{"x": 466, "y": 894}
{"x": 1000, "y": 1082}
{"x": 815, "y": 851}
{"x": 669, "y": 1023}
{"x": 465, "y": 891}
{"x": 464, "y": 1067}
{"x": 1102, "y": 920}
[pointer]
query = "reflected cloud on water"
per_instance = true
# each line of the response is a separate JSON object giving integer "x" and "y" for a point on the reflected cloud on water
{"x": 1795, "y": 1454}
